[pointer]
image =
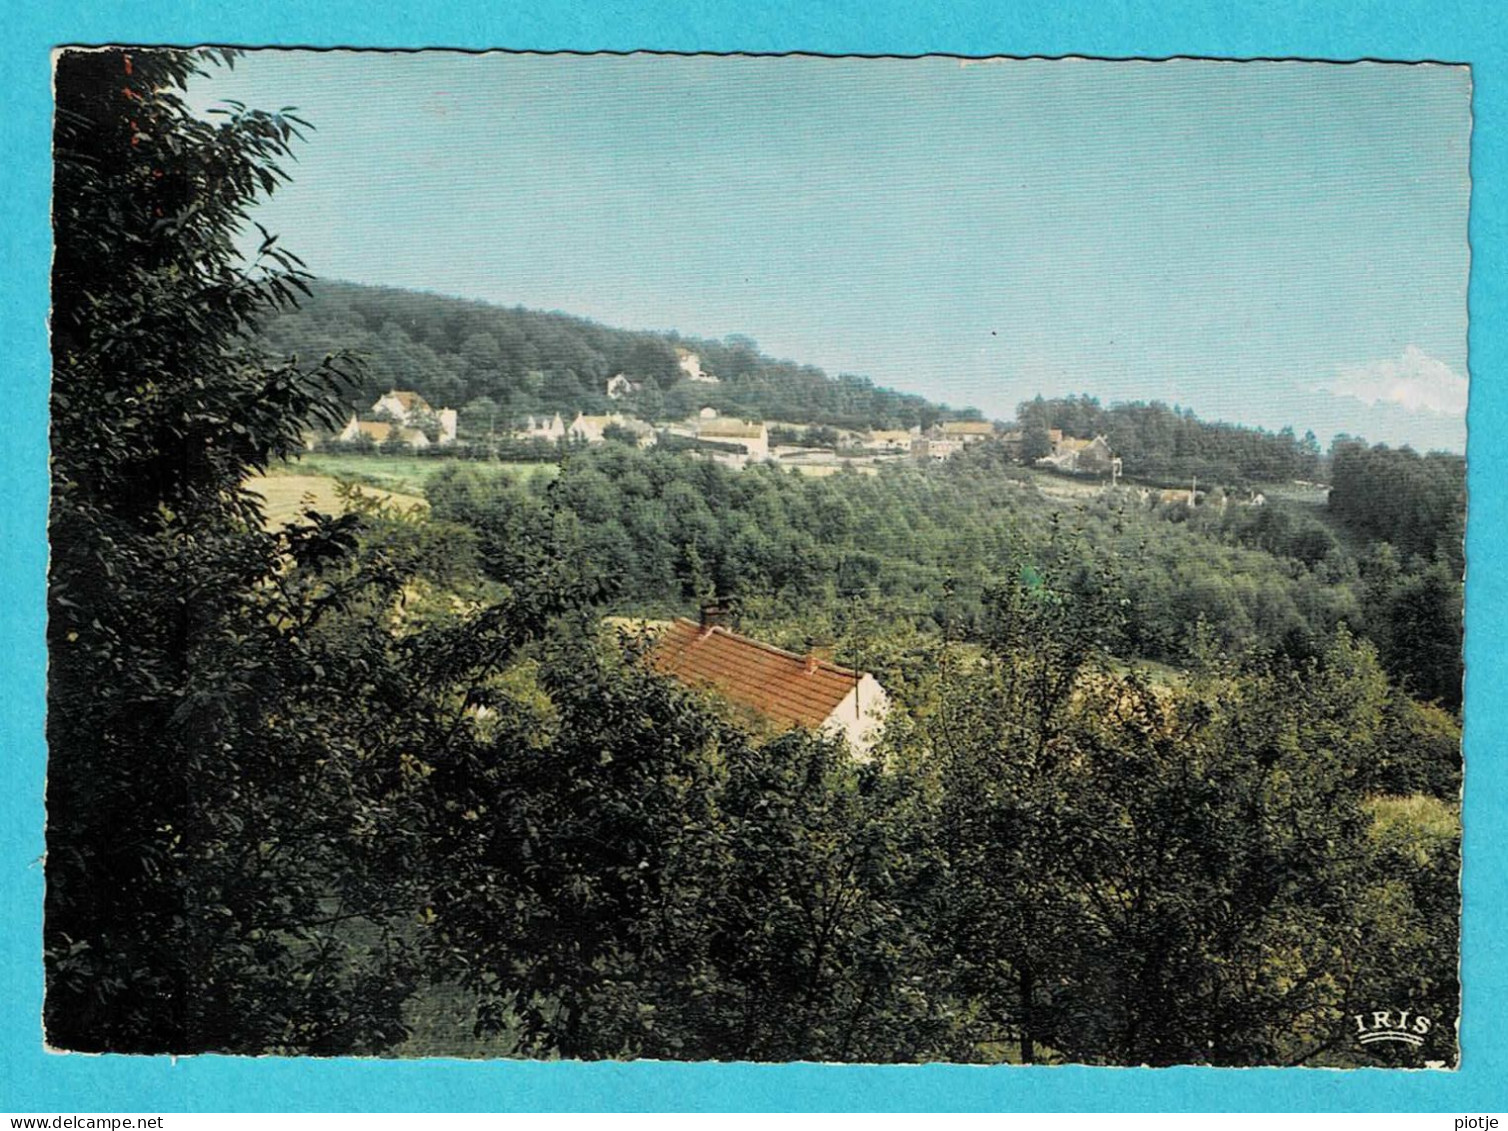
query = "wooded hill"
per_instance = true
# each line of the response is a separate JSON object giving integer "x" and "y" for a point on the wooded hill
{"x": 1161, "y": 442}
{"x": 498, "y": 364}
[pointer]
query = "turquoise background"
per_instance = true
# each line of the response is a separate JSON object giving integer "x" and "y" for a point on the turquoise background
{"x": 32, "y": 1079}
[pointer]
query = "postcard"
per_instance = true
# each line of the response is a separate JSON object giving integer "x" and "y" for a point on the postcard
{"x": 757, "y": 558}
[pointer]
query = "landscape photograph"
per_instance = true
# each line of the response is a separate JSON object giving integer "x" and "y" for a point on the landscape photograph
{"x": 756, "y": 558}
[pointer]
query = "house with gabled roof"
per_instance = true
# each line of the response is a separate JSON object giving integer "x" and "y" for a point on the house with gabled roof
{"x": 409, "y": 411}
{"x": 551, "y": 429}
{"x": 589, "y": 429}
{"x": 1096, "y": 457}
{"x": 931, "y": 447}
{"x": 1092, "y": 457}
{"x": 621, "y": 385}
{"x": 783, "y": 690}
{"x": 400, "y": 404}
{"x": 966, "y": 431}
{"x": 691, "y": 367}
{"x": 887, "y": 440}
{"x": 593, "y": 429}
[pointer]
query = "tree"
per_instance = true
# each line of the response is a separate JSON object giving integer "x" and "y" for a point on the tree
{"x": 480, "y": 417}
{"x": 638, "y": 876}
{"x": 619, "y": 434}
{"x": 1159, "y": 875}
{"x": 1035, "y": 443}
{"x": 203, "y": 807}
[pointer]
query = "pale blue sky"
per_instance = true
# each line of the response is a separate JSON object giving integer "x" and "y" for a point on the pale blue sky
{"x": 1273, "y": 243}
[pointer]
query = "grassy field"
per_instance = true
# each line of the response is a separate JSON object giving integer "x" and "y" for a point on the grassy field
{"x": 1064, "y": 488}
{"x": 403, "y": 474}
{"x": 1309, "y": 494}
{"x": 289, "y": 495}
{"x": 820, "y": 470}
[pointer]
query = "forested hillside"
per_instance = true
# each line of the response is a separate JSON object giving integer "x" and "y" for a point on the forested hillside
{"x": 497, "y": 364}
{"x": 1409, "y": 513}
{"x": 1157, "y": 442}
{"x": 849, "y": 554}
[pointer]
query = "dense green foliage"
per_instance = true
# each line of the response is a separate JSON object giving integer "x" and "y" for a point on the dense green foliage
{"x": 230, "y": 853}
{"x": 919, "y": 545}
{"x": 299, "y": 776}
{"x": 1158, "y": 876}
{"x": 1410, "y": 510}
{"x": 1422, "y": 510}
{"x": 498, "y": 364}
{"x": 159, "y": 408}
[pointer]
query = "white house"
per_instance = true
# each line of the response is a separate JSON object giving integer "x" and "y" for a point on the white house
{"x": 588, "y": 428}
{"x": 887, "y": 440}
{"x": 381, "y": 431}
{"x": 593, "y": 429}
{"x": 691, "y": 366}
{"x": 779, "y": 690}
{"x": 967, "y": 431}
{"x": 935, "y": 447}
{"x": 400, "y": 404}
{"x": 407, "y": 409}
{"x": 551, "y": 430}
{"x": 620, "y": 386}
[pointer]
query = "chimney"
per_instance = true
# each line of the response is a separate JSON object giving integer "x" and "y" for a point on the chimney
{"x": 818, "y": 649}
{"x": 716, "y": 614}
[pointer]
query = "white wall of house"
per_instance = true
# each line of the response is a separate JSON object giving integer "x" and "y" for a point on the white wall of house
{"x": 930, "y": 448}
{"x": 894, "y": 441}
{"x": 585, "y": 428}
{"x": 691, "y": 367}
{"x": 391, "y": 406}
{"x": 860, "y": 716}
{"x": 619, "y": 386}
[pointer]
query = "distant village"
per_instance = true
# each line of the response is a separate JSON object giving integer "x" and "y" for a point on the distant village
{"x": 404, "y": 419}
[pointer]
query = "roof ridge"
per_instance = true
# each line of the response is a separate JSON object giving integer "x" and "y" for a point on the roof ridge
{"x": 835, "y": 669}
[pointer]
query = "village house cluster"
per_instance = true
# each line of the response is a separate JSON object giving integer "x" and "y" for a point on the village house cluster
{"x": 1092, "y": 457}
{"x": 402, "y": 416}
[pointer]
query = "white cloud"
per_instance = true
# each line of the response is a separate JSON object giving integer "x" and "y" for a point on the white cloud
{"x": 1415, "y": 382}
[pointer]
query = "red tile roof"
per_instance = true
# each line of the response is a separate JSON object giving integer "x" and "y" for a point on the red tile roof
{"x": 785, "y": 688}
